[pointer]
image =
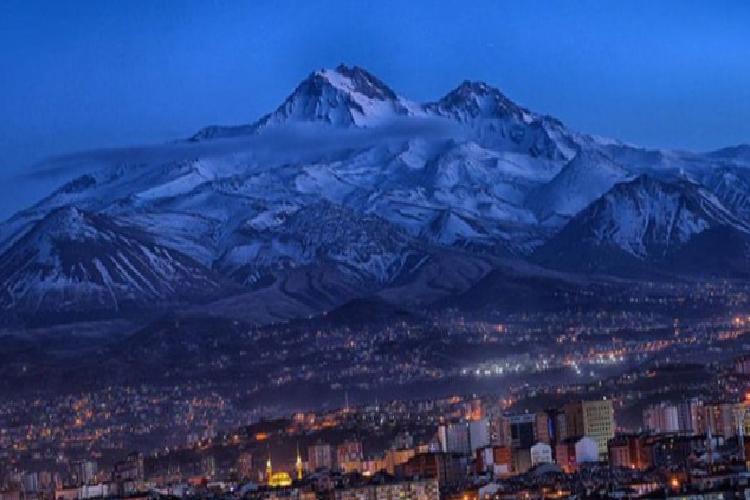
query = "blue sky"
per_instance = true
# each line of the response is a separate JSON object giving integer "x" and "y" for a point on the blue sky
{"x": 78, "y": 75}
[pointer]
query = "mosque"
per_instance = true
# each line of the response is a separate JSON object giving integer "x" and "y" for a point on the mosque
{"x": 282, "y": 478}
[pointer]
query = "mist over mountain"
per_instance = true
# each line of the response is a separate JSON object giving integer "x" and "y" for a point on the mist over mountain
{"x": 348, "y": 190}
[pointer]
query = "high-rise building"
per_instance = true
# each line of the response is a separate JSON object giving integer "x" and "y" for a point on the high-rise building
{"x": 479, "y": 434}
{"x": 444, "y": 467}
{"x": 30, "y": 483}
{"x": 629, "y": 451}
{"x": 454, "y": 438}
{"x": 550, "y": 427}
{"x": 522, "y": 430}
{"x": 208, "y": 466}
{"x": 661, "y": 419}
{"x": 320, "y": 456}
{"x": 495, "y": 459}
{"x": 349, "y": 456}
{"x": 594, "y": 419}
{"x": 245, "y": 465}
{"x": 543, "y": 428}
{"x": 722, "y": 418}
{"x": 85, "y": 471}
{"x": 690, "y": 416}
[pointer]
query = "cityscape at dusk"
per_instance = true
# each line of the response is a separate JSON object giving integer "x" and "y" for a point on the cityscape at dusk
{"x": 343, "y": 250}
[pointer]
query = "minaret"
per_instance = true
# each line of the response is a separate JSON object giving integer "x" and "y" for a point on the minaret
{"x": 298, "y": 465}
{"x": 269, "y": 470}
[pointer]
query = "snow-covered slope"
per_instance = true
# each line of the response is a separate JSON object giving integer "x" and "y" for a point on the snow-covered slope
{"x": 341, "y": 97}
{"x": 76, "y": 261}
{"x": 731, "y": 185}
{"x": 585, "y": 178}
{"x": 348, "y": 188}
{"x": 495, "y": 121}
{"x": 648, "y": 224}
{"x": 364, "y": 246}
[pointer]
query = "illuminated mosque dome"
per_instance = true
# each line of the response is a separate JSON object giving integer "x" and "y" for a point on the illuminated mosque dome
{"x": 278, "y": 479}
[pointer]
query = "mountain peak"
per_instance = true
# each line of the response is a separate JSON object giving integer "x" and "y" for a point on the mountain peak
{"x": 476, "y": 99}
{"x": 345, "y": 96}
{"x": 342, "y": 97}
{"x": 582, "y": 180}
{"x": 354, "y": 79}
{"x": 477, "y": 87}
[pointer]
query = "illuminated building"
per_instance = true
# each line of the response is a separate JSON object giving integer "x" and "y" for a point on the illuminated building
{"x": 444, "y": 467}
{"x": 498, "y": 459}
{"x": 349, "y": 451}
{"x": 394, "y": 458}
{"x": 276, "y": 479}
{"x": 280, "y": 480}
{"x": 594, "y": 419}
{"x": 629, "y": 451}
{"x": 661, "y": 419}
{"x": 723, "y": 418}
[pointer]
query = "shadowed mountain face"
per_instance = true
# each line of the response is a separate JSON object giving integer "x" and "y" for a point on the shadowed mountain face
{"x": 647, "y": 226}
{"x": 75, "y": 261}
{"x": 349, "y": 190}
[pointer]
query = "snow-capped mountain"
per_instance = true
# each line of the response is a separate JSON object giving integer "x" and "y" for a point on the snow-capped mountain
{"x": 348, "y": 189}
{"x": 585, "y": 178}
{"x": 77, "y": 261}
{"x": 495, "y": 121}
{"x": 731, "y": 185}
{"x": 341, "y": 97}
{"x": 364, "y": 246}
{"x": 651, "y": 225}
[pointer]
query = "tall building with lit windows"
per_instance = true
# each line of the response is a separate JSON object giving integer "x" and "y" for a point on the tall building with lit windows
{"x": 594, "y": 419}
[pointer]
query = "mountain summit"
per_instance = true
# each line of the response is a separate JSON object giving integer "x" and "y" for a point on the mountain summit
{"x": 341, "y": 97}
